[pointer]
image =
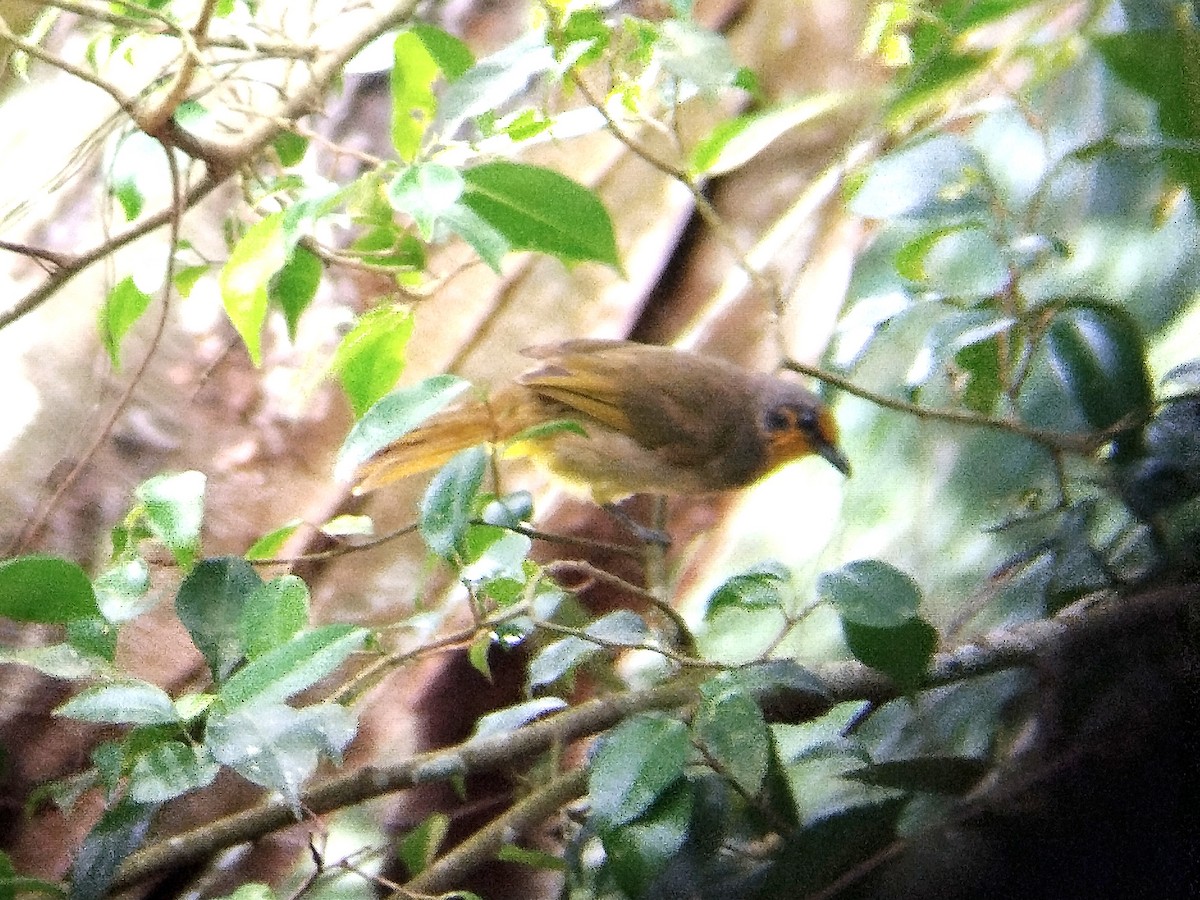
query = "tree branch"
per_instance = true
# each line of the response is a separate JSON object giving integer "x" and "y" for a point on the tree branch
{"x": 482, "y": 846}
{"x": 1019, "y": 645}
{"x": 222, "y": 160}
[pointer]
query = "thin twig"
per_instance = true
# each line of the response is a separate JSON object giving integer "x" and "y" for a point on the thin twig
{"x": 1016, "y": 646}
{"x": 33, "y": 530}
{"x": 482, "y": 846}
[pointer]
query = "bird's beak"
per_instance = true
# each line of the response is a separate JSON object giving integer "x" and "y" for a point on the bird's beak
{"x": 834, "y": 457}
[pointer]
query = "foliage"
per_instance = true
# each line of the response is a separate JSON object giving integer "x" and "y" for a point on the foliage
{"x": 986, "y": 345}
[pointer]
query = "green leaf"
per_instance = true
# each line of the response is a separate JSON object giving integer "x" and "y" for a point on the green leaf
{"x": 639, "y": 851}
{"x": 449, "y": 502}
{"x": 120, "y": 831}
{"x": 291, "y": 148}
{"x": 478, "y": 654}
{"x": 290, "y": 668}
{"x": 45, "y": 589}
{"x": 393, "y": 417}
{"x": 935, "y": 80}
{"x": 535, "y": 859}
{"x": 503, "y": 721}
{"x": 126, "y": 703}
{"x": 274, "y": 614}
{"x": 210, "y": 604}
{"x": 122, "y": 308}
{"x": 174, "y": 507}
{"x": 272, "y": 543}
{"x": 277, "y": 746}
{"x": 952, "y": 775}
{"x": 452, "y": 56}
{"x": 780, "y": 685}
{"x": 93, "y": 636}
{"x": 539, "y": 209}
{"x": 494, "y": 82}
{"x": 1163, "y": 64}
{"x": 427, "y": 192}
{"x": 872, "y": 593}
{"x": 760, "y": 588}
{"x": 961, "y": 261}
{"x": 186, "y": 278}
{"x": 813, "y": 857}
{"x": 371, "y": 358}
{"x": 502, "y": 555}
{"x": 485, "y": 239}
{"x": 122, "y": 590}
{"x": 169, "y": 770}
{"x": 60, "y": 661}
{"x": 622, "y": 628}
{"x": 138, "y": 168}
{"x": 559, "y": 658}
{"x": 413, "y": 101}
{"x": 735, "y": 142}
{"x": 920, "y": 179}
{"x": 419, "y": 847}
{"x": 13, "y": 885}
{"x": 295, "y": 285}
{"x": 730, "y": 727}
{"x": 246, "y": 277}
{"x": 1096, "y": 353}
{"x": 901, "y": 652}
{"x": 635, "y": 764}
{"x": 971, "y": 331}
{"x": 388, "y": 245}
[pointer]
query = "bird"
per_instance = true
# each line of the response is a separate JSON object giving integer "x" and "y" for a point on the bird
{"x": 617, "y": 418}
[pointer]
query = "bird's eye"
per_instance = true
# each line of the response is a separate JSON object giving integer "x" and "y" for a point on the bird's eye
{"x": 781, "y": 418}
{"x": 790, "y": 418}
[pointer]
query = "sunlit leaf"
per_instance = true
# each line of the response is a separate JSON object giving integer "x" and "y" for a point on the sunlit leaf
{"x": 734, "y": 142}
{"x": 295, "y": 285}
{"x": 413, "y": 102}
{"x": 392, "y": 417}
{"x": 539, "y": 209}
{"x": 125, "y": 703}
{"x": 371, "y": 358}
{"x": 502, "y": 721}
{"x": 174, "y": 507}
{"x": 291, "y": 667}
{"x": 122, "y": 308}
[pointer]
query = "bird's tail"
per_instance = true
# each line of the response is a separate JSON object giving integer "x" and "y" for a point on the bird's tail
{"x": 434, "y": 443}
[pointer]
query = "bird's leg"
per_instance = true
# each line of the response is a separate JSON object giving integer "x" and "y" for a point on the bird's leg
{"x": 637, "y": 529}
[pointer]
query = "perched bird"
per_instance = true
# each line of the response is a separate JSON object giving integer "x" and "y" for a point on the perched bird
{"x": 655, "y": 420}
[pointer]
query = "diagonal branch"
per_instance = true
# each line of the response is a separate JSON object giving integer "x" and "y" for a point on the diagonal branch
{"x": 222, "y": 160}
{"x": 1019, "y": 645}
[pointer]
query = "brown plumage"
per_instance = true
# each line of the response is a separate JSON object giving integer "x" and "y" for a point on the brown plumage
{"x": 657, "y": 420}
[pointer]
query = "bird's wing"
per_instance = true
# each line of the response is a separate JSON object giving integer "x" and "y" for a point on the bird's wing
{"x": 665, "y": 413}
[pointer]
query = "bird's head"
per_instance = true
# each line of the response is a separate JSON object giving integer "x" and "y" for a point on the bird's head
{"x": 795, "y": 424}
